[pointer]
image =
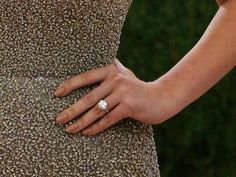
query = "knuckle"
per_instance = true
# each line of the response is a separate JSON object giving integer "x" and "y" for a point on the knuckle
{"x": 118, "y": 78}
{"x": 63, "y": 86}
{"x": 77, "y": 125}
{"x": 109, "y": 118}
{"x": 76, "y": 78}
{"x": 91, "y": 130}
{"x": 97, "y": 128}
{"x": 127, "y": 104}
{"x": 81, "y": 123}
{"x": 82, "y": 77}
{"x": 89, "y": 99}
{"x": 97, "y": 111}
{"x": 67, "y": 83}
{"x": 100, "y": 125}
{"x": 72, "y": 110}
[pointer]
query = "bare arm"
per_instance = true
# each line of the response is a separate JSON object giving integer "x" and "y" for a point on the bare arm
{"x": 212, "y": 58}
{"x": 154, "y": 102}
{"x": 220, "y": 1}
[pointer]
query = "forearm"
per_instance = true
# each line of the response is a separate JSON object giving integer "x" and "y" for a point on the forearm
{"x": 219, "y": 2}
{"x": 212, "y": 58}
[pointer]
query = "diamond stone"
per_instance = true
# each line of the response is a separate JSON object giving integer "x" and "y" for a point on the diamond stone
{"x": 102, "y": 105}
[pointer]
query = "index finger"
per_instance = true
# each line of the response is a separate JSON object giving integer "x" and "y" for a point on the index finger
{"x": 83, "y": 79}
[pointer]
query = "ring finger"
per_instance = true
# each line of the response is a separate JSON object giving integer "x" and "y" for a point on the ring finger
{"x": 104, "y": 89}
{"x": 92, "y": 115}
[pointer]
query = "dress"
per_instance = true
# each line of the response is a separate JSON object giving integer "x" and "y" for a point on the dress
{"x": 43, "y": 42}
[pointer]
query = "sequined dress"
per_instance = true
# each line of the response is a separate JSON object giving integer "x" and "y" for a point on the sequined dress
{"x": 43, "y": 42}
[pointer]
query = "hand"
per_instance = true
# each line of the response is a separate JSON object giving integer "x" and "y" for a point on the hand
{"x": 126, "y": 95}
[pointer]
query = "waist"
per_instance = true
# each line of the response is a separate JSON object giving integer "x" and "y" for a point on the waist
{"x": 49, "y": 67}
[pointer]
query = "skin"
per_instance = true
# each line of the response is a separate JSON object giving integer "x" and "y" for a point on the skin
{"x": 219, "y": 2}
{"x": 154, "y": 102}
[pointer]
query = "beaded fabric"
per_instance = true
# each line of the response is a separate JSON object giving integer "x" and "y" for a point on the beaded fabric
{"x": 43, "y": 42}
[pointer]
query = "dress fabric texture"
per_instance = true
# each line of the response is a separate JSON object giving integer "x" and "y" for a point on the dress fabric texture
{"x": 42, "y": 43}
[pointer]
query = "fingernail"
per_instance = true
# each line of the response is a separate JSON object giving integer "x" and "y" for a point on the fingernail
{"x": 61, "y": 118}
{"x": 70, "y": 129}
{"x": 59, "y": 91}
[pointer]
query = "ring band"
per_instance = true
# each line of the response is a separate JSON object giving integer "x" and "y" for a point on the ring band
{"x": 102, "y": 105}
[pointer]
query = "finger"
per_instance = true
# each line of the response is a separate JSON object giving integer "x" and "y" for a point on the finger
{"x": 85, "y": 102}
{"x": 83, "y": 79}
{"x": 107, "y": 121}
{"x": 92, "y": 115}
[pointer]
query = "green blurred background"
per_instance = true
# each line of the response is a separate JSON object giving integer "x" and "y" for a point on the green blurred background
{"x": 200, "y": 140}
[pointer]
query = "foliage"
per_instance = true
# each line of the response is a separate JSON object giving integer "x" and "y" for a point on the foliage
{"x": 200, "y": 140}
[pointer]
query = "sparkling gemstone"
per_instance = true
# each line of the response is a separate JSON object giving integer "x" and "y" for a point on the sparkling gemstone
{"x": 102, "y": 104}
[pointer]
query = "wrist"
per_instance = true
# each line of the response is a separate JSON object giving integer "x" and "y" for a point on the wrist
{"x": 168, "y": 101}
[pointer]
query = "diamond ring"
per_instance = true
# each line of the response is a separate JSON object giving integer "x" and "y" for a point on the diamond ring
{"x": 102, "y": 105}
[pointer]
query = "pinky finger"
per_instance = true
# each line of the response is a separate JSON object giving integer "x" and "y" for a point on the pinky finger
{"x": 107, "y": 121}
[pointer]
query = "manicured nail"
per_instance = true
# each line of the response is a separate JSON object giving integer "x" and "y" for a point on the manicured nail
{"x": 71, "y": 128}
{"x": 61, "y": 117}
{"x": 59, "y": 91}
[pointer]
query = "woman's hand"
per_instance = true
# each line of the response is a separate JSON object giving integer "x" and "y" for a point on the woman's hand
{"x": 126, "y": 95}
{"x": 154, "y": 102}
